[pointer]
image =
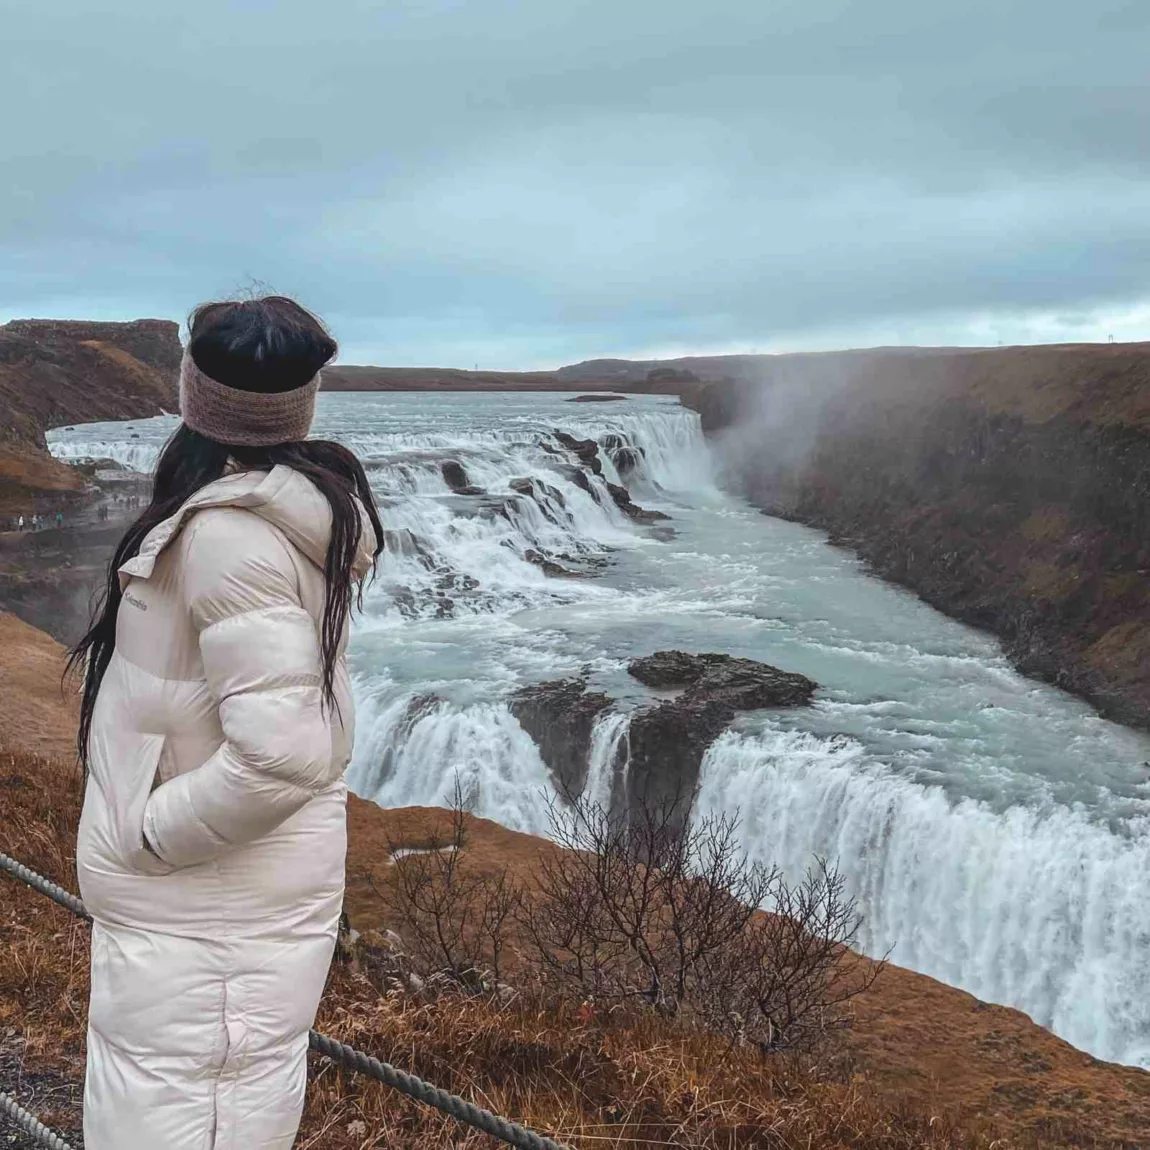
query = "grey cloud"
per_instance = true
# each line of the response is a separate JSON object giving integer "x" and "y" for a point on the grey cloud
{"x": 529, "y": 182}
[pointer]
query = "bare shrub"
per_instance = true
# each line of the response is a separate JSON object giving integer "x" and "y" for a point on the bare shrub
{"x": 454, "y": 918}
{"x": 653, "y": 912}
{"x": 785, "y": 983}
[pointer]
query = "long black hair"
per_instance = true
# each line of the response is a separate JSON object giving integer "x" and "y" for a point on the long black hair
{"x": 266, "y": 345}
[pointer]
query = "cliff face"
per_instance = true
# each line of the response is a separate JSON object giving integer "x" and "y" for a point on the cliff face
{"x": 57, "y": 372}
{"x": 1008, "y": 487}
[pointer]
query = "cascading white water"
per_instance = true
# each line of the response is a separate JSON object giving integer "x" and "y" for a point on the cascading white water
{"x": 131, "y": 455}
{"x": 607, "y": 753}
{"x": 992, "y": 828}
{"x": 1039, "y": 907}
{"x": 425, "y": 753}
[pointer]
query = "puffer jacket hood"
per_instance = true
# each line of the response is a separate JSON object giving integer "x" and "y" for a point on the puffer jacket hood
{"x": 212, "y": 840}
{"x": 281, "y": 496}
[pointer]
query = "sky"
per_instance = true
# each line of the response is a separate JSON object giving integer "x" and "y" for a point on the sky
{"x": 519, "y": 184}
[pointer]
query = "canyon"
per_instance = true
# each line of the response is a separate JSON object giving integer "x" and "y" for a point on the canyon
{"x": 1008, "y": 487}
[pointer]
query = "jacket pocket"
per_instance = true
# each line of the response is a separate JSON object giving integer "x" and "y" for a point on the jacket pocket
{"x": 134, "y": 850}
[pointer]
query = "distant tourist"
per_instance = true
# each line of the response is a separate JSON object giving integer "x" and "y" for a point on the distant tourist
{"x": 20, "y": 523}
{"x": 215, "y": 726}
{"x": 59, "y": 517}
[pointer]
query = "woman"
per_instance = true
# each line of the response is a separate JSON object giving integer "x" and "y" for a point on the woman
{"x": 216, "y": 723}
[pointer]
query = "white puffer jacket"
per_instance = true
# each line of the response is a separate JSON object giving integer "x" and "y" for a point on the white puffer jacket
{"x": 209, "y": 953}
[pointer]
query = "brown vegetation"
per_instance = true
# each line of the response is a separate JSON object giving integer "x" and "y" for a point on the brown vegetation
{"x": 364, "y": 378}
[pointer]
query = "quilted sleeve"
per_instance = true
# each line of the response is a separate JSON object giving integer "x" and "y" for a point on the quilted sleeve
{"x": 261, "y": 658}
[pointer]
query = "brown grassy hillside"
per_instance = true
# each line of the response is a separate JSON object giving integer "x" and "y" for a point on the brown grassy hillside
{"x": 58, "y": 372}
{"x": 926, "y": 1066}
{"x": 362, "y": 378}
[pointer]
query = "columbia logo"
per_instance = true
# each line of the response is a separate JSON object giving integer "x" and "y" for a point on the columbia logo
{"x": 136, "y": 602}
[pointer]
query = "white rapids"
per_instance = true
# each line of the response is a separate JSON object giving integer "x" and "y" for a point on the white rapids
{"x": 993, "y": 829}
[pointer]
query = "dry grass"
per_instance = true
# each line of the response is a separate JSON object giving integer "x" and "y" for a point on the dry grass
{"x": 590, "y": 1081}
{"x": 593, "y": 1080}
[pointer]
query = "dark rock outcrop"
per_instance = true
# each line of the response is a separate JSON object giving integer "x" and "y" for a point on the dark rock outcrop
{"x": 560, "y": 717}
{"x": 743, "y": 684}
{"x": 668, "y": 741}
{"x": 626, "y": 456}
{"x": 630, "y": 508}
{"x": 605, "y": 398}
{"x": 552, "y": 569}
{"x": 456, "y": 477}
{"x": 585, "y": 450}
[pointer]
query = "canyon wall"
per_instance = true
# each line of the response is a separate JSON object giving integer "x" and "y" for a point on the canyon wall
{"x": 1008, "y": 487}
{"x": 57, "y": 372}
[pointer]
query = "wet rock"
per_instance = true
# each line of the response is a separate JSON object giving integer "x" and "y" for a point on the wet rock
{"x": 552, "y": 569}
{"x": 546, "y": 496}
{"x": 663, "y": 534}
{"x": 597, "y": 399}
{"x": 579, "y": 477}
{"x": 743, "y": 684}
{"x": 405, "y": 602}
{"x": 560, "y": 716}
{"x": 456, "y": 477}
{"x": 587, "y": 450}
{"x": 625, "y": 455}
{"x": 404, "y": 541}
{"x": 668, "y": 741}
{"x": 630, "y": 508}
{"x": 627, "y": 460}
{"x": 458, "y": 581}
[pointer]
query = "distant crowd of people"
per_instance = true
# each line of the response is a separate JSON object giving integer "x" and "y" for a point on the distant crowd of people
{"x": 36, "y": 521}
{"x": 39, "y": 522}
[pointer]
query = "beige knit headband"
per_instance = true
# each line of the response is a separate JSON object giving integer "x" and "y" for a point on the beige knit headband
{"x": 244, "y": 418}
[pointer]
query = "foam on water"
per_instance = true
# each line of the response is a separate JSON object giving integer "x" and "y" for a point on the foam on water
{"x": 992, "y": 828}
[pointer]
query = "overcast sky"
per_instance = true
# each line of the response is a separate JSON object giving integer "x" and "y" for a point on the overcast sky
{"x": 524, "y": 183}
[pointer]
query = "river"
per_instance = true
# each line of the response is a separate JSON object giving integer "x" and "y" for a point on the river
{"x": 993, "y": 829}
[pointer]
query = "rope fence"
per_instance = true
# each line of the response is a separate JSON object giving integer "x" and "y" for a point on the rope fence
{"x": 458, "y": 1108}
{"x": 31, "y": 1125}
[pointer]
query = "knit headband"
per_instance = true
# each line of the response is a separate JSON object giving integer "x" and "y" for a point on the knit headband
{"x": 244, "y": 418}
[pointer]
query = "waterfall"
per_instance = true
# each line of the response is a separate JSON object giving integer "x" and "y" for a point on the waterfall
{"x": 1043, "y": 909}
{"x": 416, "y": 752}
{"x": 605, "y": 761}
{"x": 139, "y": 456}
{"x": 992, "y": 829}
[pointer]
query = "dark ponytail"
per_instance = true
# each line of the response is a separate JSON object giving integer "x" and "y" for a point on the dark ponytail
{"x": 268, "y": 345}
